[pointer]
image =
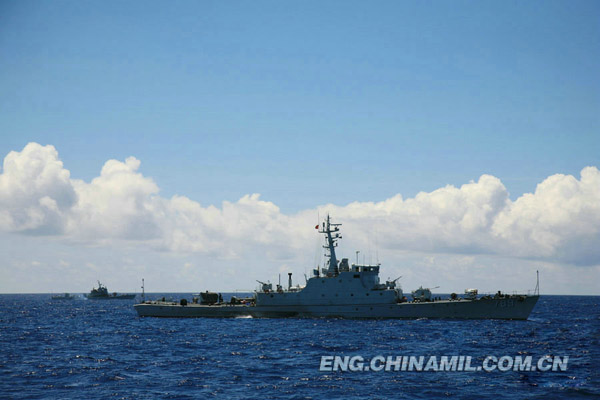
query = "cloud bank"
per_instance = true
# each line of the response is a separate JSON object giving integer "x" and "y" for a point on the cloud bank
{"x": 559, "y": 222}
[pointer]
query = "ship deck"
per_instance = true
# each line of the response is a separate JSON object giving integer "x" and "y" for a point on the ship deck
{"x": 502, "y": 308}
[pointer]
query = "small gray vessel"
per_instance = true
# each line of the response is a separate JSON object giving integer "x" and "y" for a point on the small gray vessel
{"x": 101, "y": 293}
{"x": 65, "y": 296}
{"x": 352, "y": 291}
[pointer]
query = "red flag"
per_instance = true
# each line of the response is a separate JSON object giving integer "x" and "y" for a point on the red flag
{"x": 317, "y": 227}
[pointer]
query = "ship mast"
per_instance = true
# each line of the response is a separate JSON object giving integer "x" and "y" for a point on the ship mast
{"x": 331, "y": 236}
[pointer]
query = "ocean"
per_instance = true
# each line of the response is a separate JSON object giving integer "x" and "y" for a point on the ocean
{"x": 102, "y": 349}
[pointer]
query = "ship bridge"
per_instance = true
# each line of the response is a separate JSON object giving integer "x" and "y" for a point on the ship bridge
{"x": 338, "y": 284}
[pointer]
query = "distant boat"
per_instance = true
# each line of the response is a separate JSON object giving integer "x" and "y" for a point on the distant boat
{"x": 65, "y": 296}
{"x": 101, "y": 293}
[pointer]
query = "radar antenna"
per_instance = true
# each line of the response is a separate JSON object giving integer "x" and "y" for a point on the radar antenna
{"x": 331, "y": 232}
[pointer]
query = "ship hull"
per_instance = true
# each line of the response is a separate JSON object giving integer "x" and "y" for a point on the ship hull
{"x": 507, "y": 308}
{"x": 118, "y": 297}
{"x": 174, "y": 310}
{"x": 517, "y": 308}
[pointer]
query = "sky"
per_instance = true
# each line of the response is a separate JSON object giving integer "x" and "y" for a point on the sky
{"x": 196, "y": 144}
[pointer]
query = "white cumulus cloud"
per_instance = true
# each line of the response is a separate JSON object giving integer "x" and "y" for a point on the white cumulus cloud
{"x": 560, "y": 222}
{"x": 120, "y": 203}
{"x": 36, "y": 192}
{"x": 447, "y": 219}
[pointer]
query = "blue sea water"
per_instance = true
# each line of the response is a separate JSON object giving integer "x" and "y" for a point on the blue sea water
{"x": 102, "y": 349}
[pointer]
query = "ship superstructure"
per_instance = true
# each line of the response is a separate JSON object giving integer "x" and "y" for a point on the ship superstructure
{"x": 336, "y": 288}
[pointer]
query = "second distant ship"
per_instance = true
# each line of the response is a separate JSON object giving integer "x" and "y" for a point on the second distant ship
{"x": 101, "y": 293}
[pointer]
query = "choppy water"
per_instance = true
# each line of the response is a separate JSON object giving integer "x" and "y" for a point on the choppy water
{"x": 101, "y": 349}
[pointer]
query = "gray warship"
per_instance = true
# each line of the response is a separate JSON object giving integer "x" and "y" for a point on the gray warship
{"x": 344, "y": 290}
{"x": 101, "y": 293}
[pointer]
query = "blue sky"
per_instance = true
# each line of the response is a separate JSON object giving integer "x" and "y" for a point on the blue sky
{"x": 318, "y": 107}
{"x": 307, "y": 102}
